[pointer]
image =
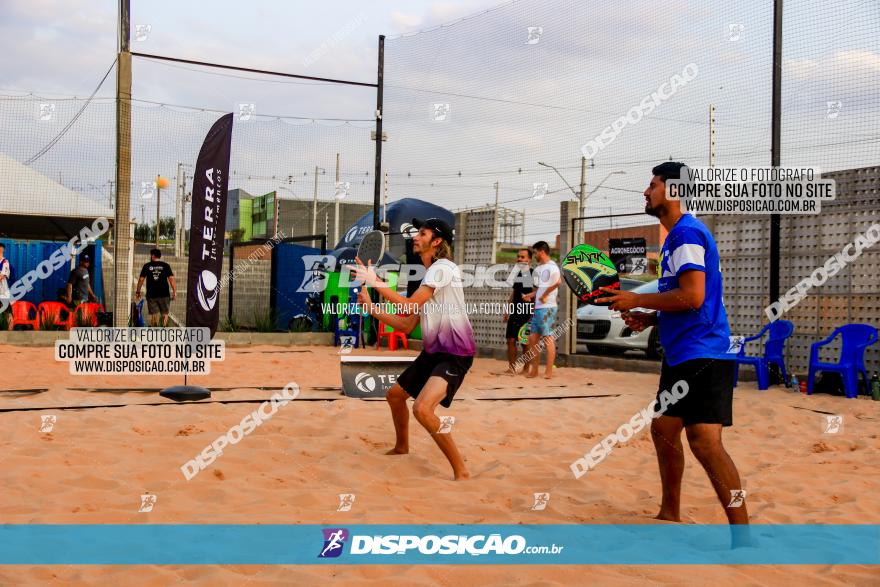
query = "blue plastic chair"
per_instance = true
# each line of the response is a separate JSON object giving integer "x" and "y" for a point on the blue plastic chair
{"x": 774, "y": 352}
{"x": 855, "y": 339}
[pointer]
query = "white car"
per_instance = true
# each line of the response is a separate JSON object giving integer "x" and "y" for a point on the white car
{"x": 605, "y": 332}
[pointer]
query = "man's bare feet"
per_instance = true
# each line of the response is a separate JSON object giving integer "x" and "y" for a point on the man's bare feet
{"x": 531, "y": 374}
{"x": 462, "y": 476}
{"x": 398, "y": 451}
{"x": 548, "y": 375}
{"x": 740, "y": 536}
{"x": 667, "y": 517}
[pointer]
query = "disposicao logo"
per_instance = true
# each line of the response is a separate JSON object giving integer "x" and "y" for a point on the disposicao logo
{"x": 334, "y": 540}
{"x": 440, "y": 545}
{"x": 433, "y": 544}
{"x": 207, "y": 290}
{"x": 315, "y": 269}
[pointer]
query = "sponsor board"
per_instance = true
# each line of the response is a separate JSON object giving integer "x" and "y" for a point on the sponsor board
{"x": 365, "y": 377}
{"x": 629, "y": 255}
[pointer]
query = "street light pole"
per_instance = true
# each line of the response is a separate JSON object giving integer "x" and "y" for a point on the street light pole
{"x": 598, "y": 185}
{"x": 497, "y": 188}
{"x": 561, "y": 176}
{"x": 582, "y": 195}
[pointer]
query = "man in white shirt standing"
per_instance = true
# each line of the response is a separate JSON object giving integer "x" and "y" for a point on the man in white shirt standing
{"x": 547, "y": 278}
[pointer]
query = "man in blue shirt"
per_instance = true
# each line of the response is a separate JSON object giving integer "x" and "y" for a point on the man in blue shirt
{"x": 695, "y": 336}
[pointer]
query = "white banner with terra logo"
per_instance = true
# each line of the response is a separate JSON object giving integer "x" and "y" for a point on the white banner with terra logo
{"x": 371, "y": 376}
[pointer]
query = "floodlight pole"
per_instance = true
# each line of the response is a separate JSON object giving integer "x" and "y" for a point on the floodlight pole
{"x": 122, "y": 248}
{"x": 377, "y": 175}
{"x": 775, "y": 143}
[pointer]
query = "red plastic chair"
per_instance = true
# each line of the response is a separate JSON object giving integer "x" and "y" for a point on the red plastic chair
{"x": 392, "y": 335}
{"x": 85, "y": 311}
{"x": 21, "y": 315}
{"x": 55, "y": 313}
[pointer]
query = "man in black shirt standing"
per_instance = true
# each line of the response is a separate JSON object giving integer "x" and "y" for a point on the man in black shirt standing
{"x": 158, "y": 276}
{"x": 520, "y": 316}
{"x": 79, "y": 287}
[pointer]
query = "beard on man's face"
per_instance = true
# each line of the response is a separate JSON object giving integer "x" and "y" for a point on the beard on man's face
{"x": 650, "y": 210}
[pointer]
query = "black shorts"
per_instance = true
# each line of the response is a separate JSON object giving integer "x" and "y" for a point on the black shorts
{"x": 452, "y": 368}
{"x": 709, "y": 398}
{"x": 514, "y": 323}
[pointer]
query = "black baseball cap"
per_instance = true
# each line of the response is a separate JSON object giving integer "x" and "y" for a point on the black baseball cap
{"x": 439, "y": 228}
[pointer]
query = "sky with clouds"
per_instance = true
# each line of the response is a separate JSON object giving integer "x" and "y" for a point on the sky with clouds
{"x": 520, "y": 82}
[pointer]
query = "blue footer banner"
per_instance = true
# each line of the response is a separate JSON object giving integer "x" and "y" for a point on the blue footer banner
{"x": 570, "y": 544}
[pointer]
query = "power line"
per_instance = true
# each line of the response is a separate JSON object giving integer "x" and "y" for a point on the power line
{"x": 453, "y": 22}
{"x": 251, "y": 70}
{"x": 73, "y": 120}
{"x": 244, "y": 77}
{"x": 654, "y": 160}
{"x": 27, "y": 95}
{"x": 31, "y": 95}
{"x": 553, "y": 106}
{"x": 275, "y": 116}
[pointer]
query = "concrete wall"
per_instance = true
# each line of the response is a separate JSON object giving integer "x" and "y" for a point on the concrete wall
{"x": 295, "y": 217}
{"x": 807, "y": 241}
{"x": 251, "y": 287}
{"x": 475, "y": 245}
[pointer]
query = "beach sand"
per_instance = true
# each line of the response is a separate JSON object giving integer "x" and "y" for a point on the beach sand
{"x": 95, "y": 464}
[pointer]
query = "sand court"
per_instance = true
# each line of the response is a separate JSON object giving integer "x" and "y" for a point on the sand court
{"x": 95, "y": 464}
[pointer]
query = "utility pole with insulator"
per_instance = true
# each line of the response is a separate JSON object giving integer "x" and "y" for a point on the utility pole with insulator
{"x": 711, "y": 135}
{"x": 583, "y": 206}
{"x": 336, "y": 207}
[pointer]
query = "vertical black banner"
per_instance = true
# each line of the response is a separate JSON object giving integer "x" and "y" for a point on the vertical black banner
{"x": 208, "y": 226}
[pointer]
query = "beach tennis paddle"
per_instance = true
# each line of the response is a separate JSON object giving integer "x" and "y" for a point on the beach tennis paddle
{"x": 586, "y": 269}
{"x": 372, "y": 247}
{"x": 523, "y": 334}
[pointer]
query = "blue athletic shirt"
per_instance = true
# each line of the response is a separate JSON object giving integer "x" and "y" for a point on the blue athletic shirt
{"x": 693, "y": 334}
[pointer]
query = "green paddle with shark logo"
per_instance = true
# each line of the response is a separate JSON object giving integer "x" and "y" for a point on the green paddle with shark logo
{"x": 585, "y": 269}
